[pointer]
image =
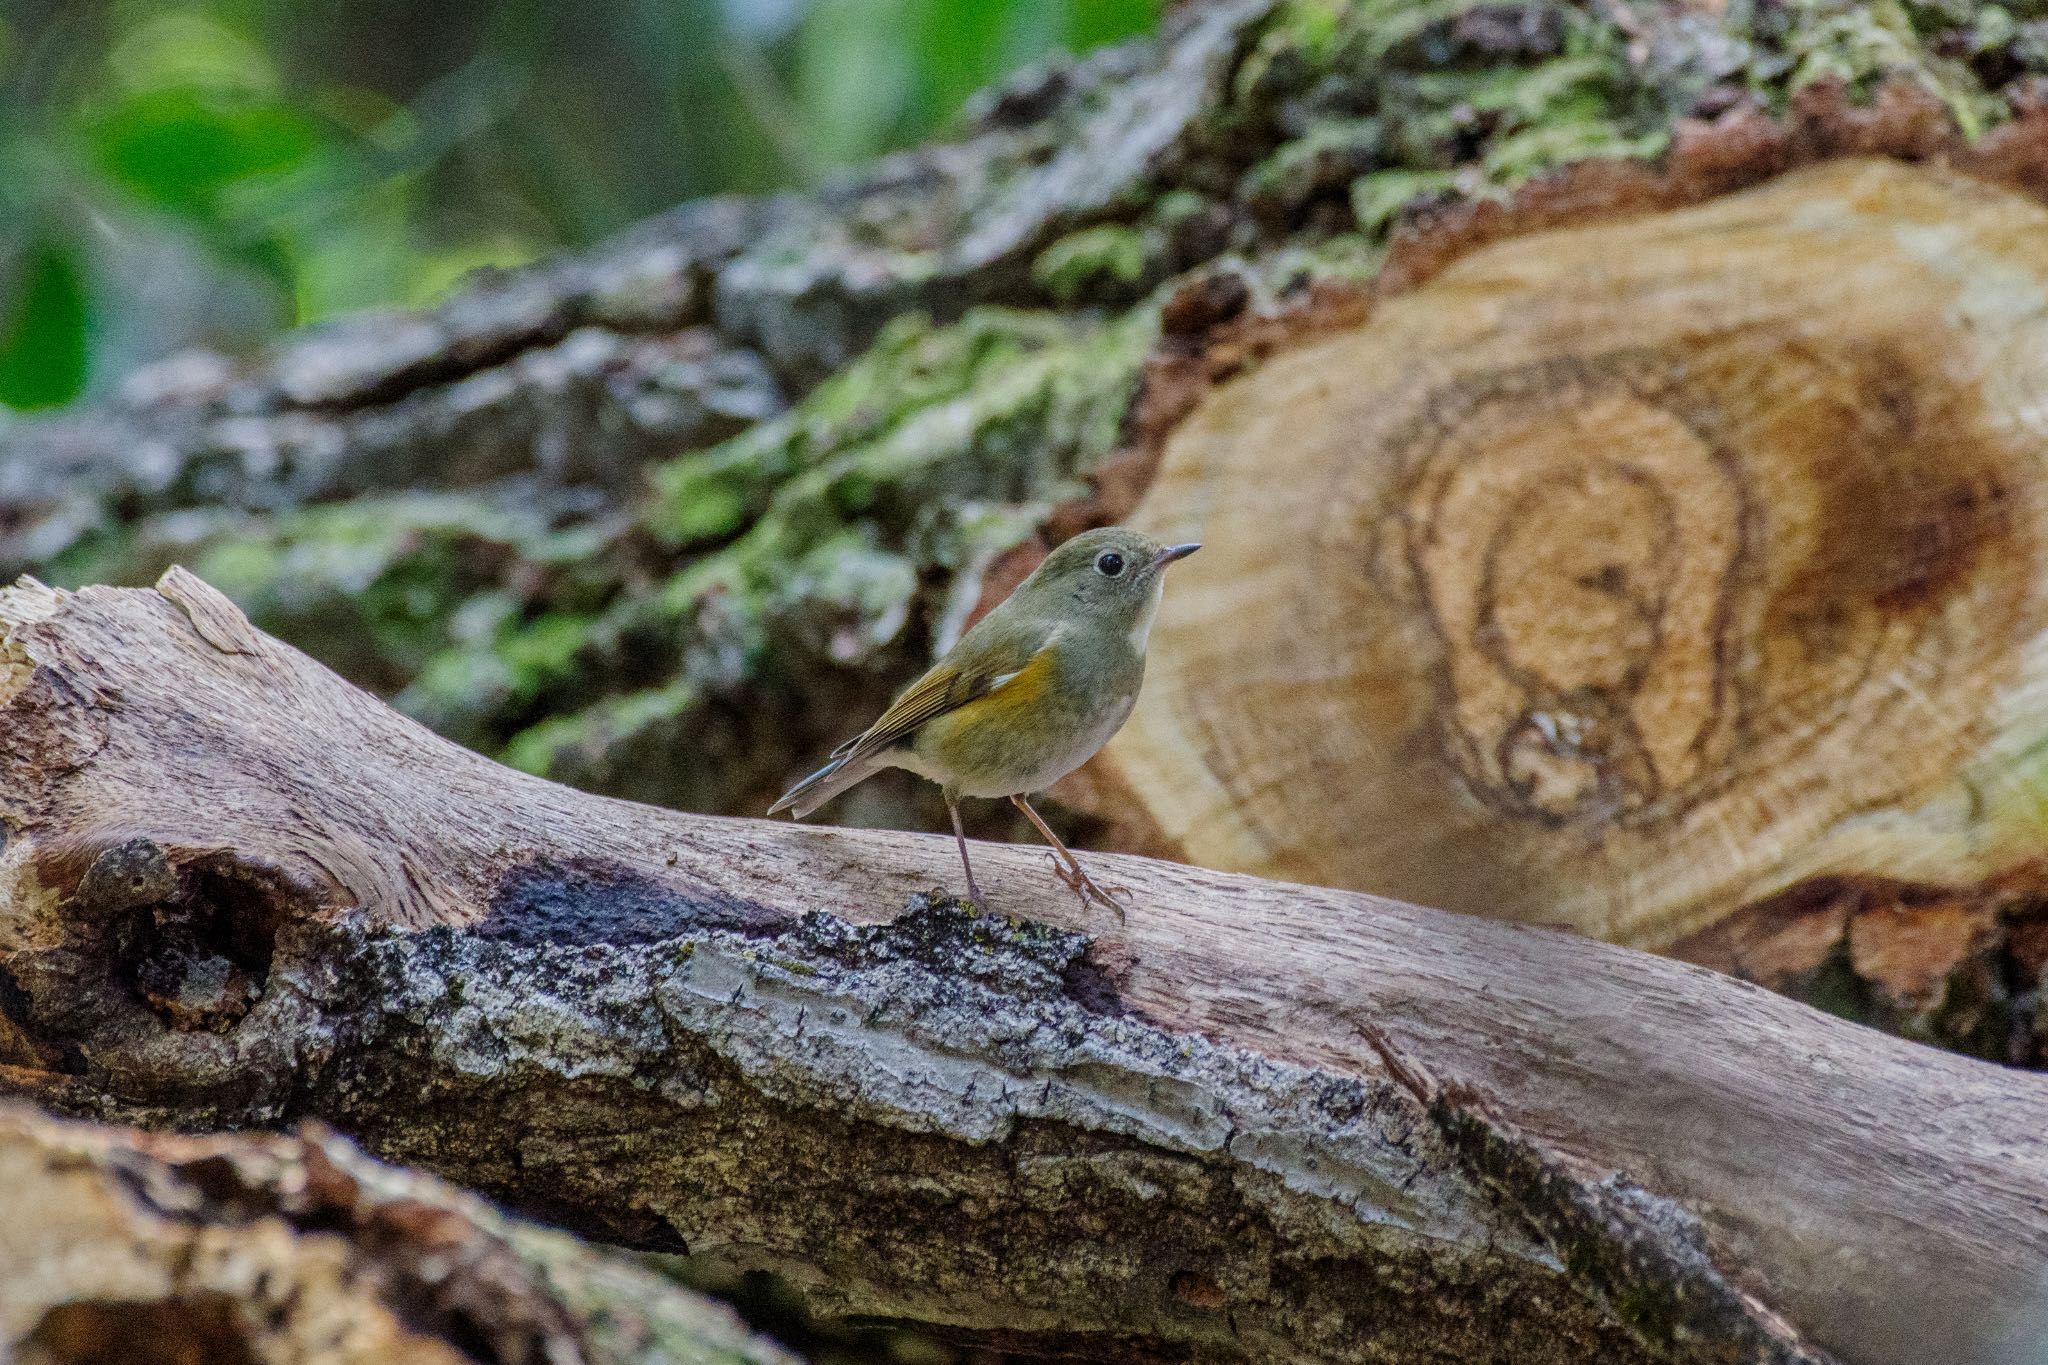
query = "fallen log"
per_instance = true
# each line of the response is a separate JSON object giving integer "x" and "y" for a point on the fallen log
{"x": 1254, "y": 1122}
{"x": 154, "y": 1250}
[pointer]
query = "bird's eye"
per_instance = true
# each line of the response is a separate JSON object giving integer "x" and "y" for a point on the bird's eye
{"x": 1109, "y": 564}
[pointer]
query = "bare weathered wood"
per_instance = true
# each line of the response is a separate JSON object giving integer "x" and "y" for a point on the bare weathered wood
{"x": 125, "y": 1246}
{"x": 1256, "y": 1121}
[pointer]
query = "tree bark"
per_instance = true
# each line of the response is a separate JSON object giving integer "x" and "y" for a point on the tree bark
{"x": 1253, "y": 1122}
{"x": 152, "y": 1250}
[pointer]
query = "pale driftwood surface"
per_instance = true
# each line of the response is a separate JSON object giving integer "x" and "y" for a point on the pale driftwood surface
{"x": 1256, "y": 1121}
{"x": 138, "y": 1247}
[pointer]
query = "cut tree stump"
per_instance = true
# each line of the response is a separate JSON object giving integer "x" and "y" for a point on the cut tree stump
{"x": 1254, "y": 1122}
{"x": 126, "y": 1248}
{"x": 1621, "y": 576}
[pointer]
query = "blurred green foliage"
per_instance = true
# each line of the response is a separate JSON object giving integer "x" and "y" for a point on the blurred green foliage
{"x": 211, "y": 171}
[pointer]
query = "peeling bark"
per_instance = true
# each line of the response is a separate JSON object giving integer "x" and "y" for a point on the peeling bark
{"x": 1256, "y": 1122}
{"x": 153, "y": 1250}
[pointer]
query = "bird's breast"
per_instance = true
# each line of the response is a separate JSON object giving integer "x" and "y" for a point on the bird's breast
{"x": 1025, "y": 741}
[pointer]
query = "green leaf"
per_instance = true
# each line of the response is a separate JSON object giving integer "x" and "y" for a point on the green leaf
{"x": 181, "y": 148}
{"x": 959, "y": 50}
{"x": 1091, "y": 23}
{"x": 43, "y": 344}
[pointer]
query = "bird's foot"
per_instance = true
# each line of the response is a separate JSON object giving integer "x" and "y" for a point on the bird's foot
{"x": 1086, "y": 887}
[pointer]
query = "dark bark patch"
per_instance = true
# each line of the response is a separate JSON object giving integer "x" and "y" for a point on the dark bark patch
{"x": 553, "y": 903}
{"x": 951, "y": 938}
{"x": 1092, "y": 985}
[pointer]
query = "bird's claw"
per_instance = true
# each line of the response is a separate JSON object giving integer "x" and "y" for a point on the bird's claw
{"x": 1084, "y": 886}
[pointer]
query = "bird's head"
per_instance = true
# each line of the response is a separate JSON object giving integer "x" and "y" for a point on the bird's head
{"x": 1111, "y": 574}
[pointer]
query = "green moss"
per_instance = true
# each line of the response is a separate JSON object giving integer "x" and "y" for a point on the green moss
{"x": 913, "y": 368}
{"x": 1390, "y": 24}
{"x": 1379, "y": 198}
{"x": 1525, "y": 154}
{"x": 697, "y": 501}
{"x": 1863, "y": 42}
{"x": 372, "y": 587}
{"x": 1445, "y": 112}
{"x": 1535, "y": 117}
{"x": 917, "y": 465}
{"x": 1313, "y": 27}
{"x": 1302, "y": 37}
{"x": 1176, "y": 207}
{"x": 1328, "y": 156}
{"x": 1080, "y": 262}
{"x": 542, "y": 649}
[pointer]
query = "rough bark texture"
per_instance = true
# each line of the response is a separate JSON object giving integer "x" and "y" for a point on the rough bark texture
{"x": 126, "y": 1248}
{"x": 730, "y": 480}
{"x": 1255, "y": 1122}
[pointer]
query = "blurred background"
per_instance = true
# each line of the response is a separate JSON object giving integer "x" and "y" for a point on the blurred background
{"x": 212, "y": 172}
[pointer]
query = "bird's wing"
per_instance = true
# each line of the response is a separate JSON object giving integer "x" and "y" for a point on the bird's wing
{"x": 947, "y": 687}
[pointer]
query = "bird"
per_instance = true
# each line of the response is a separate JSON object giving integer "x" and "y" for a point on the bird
{"x": 1027, "y": 695}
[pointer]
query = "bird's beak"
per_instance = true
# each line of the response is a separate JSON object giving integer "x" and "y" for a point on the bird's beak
{"x": 1171, "y": 553}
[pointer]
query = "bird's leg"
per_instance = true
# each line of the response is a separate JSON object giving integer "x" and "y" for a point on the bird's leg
{"x": 1076, "y": 878}
{"x": 960, "y": 837}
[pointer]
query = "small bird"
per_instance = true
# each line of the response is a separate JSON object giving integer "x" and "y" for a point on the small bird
{"x": 1026, "y": 696}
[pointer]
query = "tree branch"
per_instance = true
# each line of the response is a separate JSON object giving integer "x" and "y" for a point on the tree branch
{"x": 237, "y": 890}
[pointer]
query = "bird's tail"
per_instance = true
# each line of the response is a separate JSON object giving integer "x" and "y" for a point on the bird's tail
{"x": 826, "y": 783}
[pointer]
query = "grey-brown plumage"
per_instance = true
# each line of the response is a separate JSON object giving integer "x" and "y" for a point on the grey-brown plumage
{"x": 1027, "y": 695}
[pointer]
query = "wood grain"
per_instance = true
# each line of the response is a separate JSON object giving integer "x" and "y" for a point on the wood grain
{"x": 1621, "y": 576}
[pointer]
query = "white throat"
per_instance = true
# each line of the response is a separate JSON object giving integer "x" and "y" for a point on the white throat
{"x": 1141, "y": 630}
